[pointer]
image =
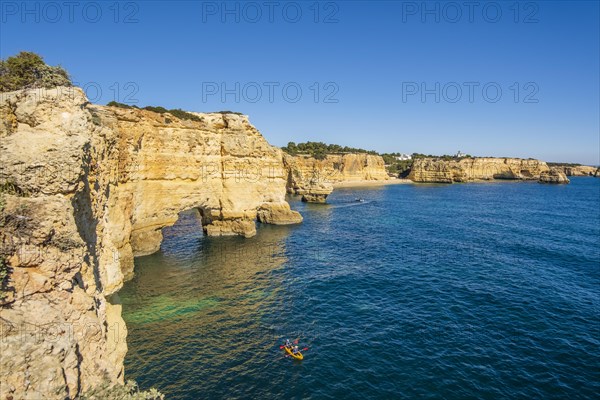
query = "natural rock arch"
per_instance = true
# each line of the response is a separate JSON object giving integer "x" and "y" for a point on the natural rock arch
{"x": 126, "y": 174}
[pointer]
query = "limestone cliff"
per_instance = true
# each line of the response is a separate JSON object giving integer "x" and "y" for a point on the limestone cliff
{"x": 577, "y": 170}
{"x": 85, "y": 188}
{"x": 473, "y": 169}
{"x": 314, "y": 179}
{"x": 555, "y": 175}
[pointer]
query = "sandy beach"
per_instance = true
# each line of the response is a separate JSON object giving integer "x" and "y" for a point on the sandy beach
{"x": 363, "y": 183}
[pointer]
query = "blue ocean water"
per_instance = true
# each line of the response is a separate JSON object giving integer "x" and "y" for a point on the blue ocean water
{"x": 460, "y": 291}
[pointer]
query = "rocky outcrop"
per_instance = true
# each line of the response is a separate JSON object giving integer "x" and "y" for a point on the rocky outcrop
{"x": 222, "y": 166}
{"x": 582, "y": 170}
{"x": 597, "y": 173}
{"x": 474, "y": 169}
{"x": 317, "y": 194}
{"x": 278, "y": 214}
{"x": 86, "y": 188}
{"x": 306, "y": 177}
{"x": 577, "y": 170}
{"x": 555, "y": 175}
{"x": 314, "y": 179}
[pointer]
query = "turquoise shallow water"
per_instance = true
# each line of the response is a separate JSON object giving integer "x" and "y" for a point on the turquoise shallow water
{"x": 440, "y": 291}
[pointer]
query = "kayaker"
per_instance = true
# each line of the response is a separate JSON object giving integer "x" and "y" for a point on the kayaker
{"x": 295, "y": 350}
{"x": 288, "y": 343}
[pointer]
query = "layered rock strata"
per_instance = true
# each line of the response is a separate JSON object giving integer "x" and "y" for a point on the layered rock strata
{"x": 86, "y": 188}
{"x": 314, "y": 179}
{"x": 578, "y": 170}
{"x": 475, "y": 169}
{"x": 555, "y": 175}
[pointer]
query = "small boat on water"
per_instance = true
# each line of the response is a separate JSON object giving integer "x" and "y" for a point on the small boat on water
{"x": 297, "y": 355}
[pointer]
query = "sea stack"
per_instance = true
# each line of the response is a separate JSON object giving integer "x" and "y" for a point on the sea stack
{"x": 555, "y": 175}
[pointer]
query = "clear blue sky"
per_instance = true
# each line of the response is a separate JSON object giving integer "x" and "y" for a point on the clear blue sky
{"x": 372, "y": 57}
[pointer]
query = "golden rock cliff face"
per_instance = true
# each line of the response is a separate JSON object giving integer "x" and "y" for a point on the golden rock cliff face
{"x": 222, "y": 166}
{"x": 474, "y": 169}
{"x": 579, "y": 170}
{"x": 86, "y": 188}
{"x": 314, "y": 179}
{"x": 555, "y": 175}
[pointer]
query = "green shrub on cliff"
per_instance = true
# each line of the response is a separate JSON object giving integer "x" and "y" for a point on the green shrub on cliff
{"x": 557, "y": 164}
{"x": 28, "y": 70}
{"x": 177, "y": 112}
{"x": 119, "y": 105}
{"x": 444, "y": 157}
{"x": 319, "y": 150}
{"x": 184, "y": 115}
{"x": 158, "y": 109}
{"x": 228, "y": 112}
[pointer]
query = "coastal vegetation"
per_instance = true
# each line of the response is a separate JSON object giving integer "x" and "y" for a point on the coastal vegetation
{"x": 558, "y": 164}
{"x": 393, "y": 165}
{"x": 228, "y": 112}
{"x": 393, "y": 162}
{"x": 445, "y": 157}
{"x": 119, "y": 105}
{"x": 177, "y": 112}
{"x": 161, "y": 110}
{"x": 28, "y": 70}
{"x": 320, "y": 150}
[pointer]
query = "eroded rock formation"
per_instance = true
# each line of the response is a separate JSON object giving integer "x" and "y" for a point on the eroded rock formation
{"x": 314, "y": 179}
{"x": 86, "y": 188}
{"x": 474, "y": 169}
{"x": 577, "y": 170}
{"x": 555, "y": 175}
